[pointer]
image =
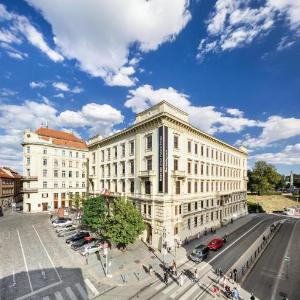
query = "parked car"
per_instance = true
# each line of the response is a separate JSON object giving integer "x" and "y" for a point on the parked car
{"x": 78, "y": 236}
{"x": 69, "y": 232}
{"x": 216, "y": 244}
{"x": 199, "y": 253}
{"x": 64, "y": 228}
{"x": 55, "y": 218}
{"x": 63, "y": 223}
{"x": 90, "y": 249}
{"x": 79, "y": 243}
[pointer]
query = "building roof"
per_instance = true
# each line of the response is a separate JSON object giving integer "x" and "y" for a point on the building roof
{"x": 61, "y": 138}
{"x": 14, "y": 173}
{"x": 6, "y": 172}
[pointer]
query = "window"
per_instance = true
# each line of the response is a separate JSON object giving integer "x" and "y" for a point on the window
{"x": 131, "y": 147}
{"x": 145, "y": 209}
{"x": 44, "y": 161}
{"x": 116, "y": 152}
{"x": 147, "y": 187}
{"x": 132, "y": 186}
{"x": 77, "y": 184}
{"x": 63, "y": 163}
{"x": 195, "y": 221}
{"x": 70, "y": 174}
{"x": 212, "y": 216}
{"x": 28, "y": 161}
{"x": 196, "y": 187}
{"x": 131, "y": 167}
{"x": 149, "y": 164}
{"x": 93, "y": 158}
{"x": 123, "y": 167}
{"x": 115, "y": 169}
{"x": 63, "y": 184}
{"x": 149, "y": 142}
{"x": 70, "y": 184}
{"x": 149, "y": 210}
{"x": 176, "y": 139}
{"x": 70, "y": 164}
{"x": 189, "y": 187}
{"x": 123, "y": 186}
{"x": 175, "y": 164}
{"x": 189, "y": 146}
{"x": 202, "y": 183}
{"x": 108, "y": 170}
{"x": 83, "y": 155}
{"x": 55, "y": 185}
{"x": 63, "y": 174}
{"x": 189, "y": 167}
{"x": 44, "y": 151}
{"x": 77, "y": 174}
{"x": 177, "y": 187}
{"x": 189, "y": 224}
{"x": 44, "y": 184}
{"x": 70, "y": 153}
{"x": 102, "y": 155}
{"x": 55, "y": 173}
{"x": 123, "y": 150}
{"x": 207, "y": 152}
{"x": 83, "y": 175}
{"x": 77, "y": 155}
{"x": 196, "y": 148}
{"x": 202, "y": 150}
{"x": 108, "y": 154}
{"x": 196, "y": 168}
{"x": 28, "y": 149}
{"x": 202, "y": 204}
{"x": 202, "y": 169}
{"x": 44, "y": 173}
{"x": 189, "y": 207}
{"x": 196, "y": 205}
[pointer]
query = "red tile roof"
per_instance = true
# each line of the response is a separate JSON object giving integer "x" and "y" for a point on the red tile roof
{"x": 14, "y": 173}
{"x": 5, "y": 174}
{"x": 61, "y": 138}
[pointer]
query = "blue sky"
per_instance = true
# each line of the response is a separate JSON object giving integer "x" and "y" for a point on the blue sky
{"x": 88, "y": 68}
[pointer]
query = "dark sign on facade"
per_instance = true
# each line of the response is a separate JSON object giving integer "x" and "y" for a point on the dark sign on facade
{"x": 163, "y": 159}
{"x": 166, "y": 158}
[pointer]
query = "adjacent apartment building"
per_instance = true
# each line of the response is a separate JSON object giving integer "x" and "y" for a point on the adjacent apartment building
{"x": 54, "y": 169}
{"x": 10, "y": 186}
{"x": 183, "y": 180}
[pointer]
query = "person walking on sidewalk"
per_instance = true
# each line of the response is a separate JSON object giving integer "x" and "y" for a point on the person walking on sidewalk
{"x": 196, "y": 275}
{"x": 181, "y": 279}
{"x": 166, "y": 278}
{"x": 252, "y": 297}
{"x": 235, "y": 294}
{"x": 174, "y": 268}
{"x": 150, "y": 270}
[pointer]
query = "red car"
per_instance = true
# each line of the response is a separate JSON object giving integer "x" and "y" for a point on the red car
{"x": 215, "y": 244}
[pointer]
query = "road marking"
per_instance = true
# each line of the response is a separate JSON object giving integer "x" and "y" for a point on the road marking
{"x": 70, "y": 293}
{"x": 178, "y": 291}
{"x": 170, "y": 287}
{"x": 25, "y": 262}
{"x": 187, "y": 294}
{"x": 46, "y": 298}
{"x": 47, "y": 254}
{"x": 283, "y": 263}
{"x": 81, "y": 291}
{"x": 39, "y": 290}
{"x": 91, "y": 287}
{"x": 58, "y": 296}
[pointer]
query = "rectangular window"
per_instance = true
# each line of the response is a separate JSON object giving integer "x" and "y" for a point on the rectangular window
{"x": 189, "y": 146}
{"x": 63, "y": 174}
{"x": 70, "y": 174}
{"x": 196, "y": 149}
{"x": 123, "y": 186}
{"x": 177, "y": 187}
{"x": 115, "y": 169}
{"x": 123, "y": 167}
{"x": 149, "y": 164}
{"x": 147, "y": 187}
{"x": 175, "y": 164}
{"x": 63, "y": 153}
{"x": 149, "y": 142}
{"x": 196, "y": 205}
{"x": 63, "y": 184}
{"x": 202, "y": 184}
{"x": 189, "y": 187}
{"x": 176, "y": 138}
{"x": 116, "y": 152}
{"x": 83, "y": 155}
{"x": 44, "y": 161}
{"x": 28, "y": 149}
{"x": 196, "y": 187}
{"x": 55, "y": 185}
{"x": 123, "y": 150}
{"x": 196, "y": 168}
{"x": 189, "y": 224}
{"x": 108, "y": 154}
{"x": 195, "y": 221}
{"x": 70, "y": 164}
{"x": 44, "y": 151}
{"x": 202, "y": 204}
{"x": 189, "y": 207}
{"x": 44, "y": 184}
{"x": 44, "y": 173}
{"x": 55, "y": 173}
{"x": 102, "y": 155}
{"x": 202, "y": 150}
{"x": 132, "y": 167}
{"x": 63, "y": 163}
{"x": 77, "y": 174}
{"x": 70, "y": 153}
{"x": 132, "y": 186}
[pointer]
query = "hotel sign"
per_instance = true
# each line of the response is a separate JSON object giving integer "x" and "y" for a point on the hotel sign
{"x": 163, "y": 159}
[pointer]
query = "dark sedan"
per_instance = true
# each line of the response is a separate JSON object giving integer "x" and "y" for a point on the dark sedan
{"x": 79, "y": 243}
{"x": 77, "y": 236}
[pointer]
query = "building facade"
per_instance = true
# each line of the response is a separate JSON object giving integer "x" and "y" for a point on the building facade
{"x": 54, "y": 169}
{"x": 10, "y": 186}
{"x": 183, "y": 181}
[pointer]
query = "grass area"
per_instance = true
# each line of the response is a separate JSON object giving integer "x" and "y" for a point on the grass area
{"x": 270, "y": 203}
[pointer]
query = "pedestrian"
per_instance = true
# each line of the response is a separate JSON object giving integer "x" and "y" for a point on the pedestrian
{"x": 225, "y": 282}
{"x": 252, "y": 297}
{"x": 181, "y": 279}
{"x": 196, "y": 275}
{"x": 174, "y": 268}
{"x": 215, "y": 291}
{"x": 150, "y": 270}
{"x": 230, "y": 276}
{"x": 235, "y": 294}
{"x": 235, "y": 275}
{"x": 166, "y": 278}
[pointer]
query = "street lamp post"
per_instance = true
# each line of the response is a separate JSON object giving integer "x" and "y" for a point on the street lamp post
{"x": 163, "y": 244}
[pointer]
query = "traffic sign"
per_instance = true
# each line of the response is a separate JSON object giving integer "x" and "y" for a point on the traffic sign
{"x": 287, "y": 258}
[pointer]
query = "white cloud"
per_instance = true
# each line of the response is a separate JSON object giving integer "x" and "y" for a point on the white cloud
{"x": 237, "y": 23}
{"x": 61, "y": 86}
{"x": 15, "y": 55}
{"x": 103, "y": 37}
{"x": 13, "y": 52}
{"x": 14, "y": 119}
{"x": 275, "y": 129}
{"x": 235, "y": 112}
{"x": 206, "y": 118}
{"x": 36, "y": 84}
{"x": 5, "y": 92}
{"x": 19, "y": 27}
{"x": 290, "y": 155}
{"x": 285, "y": 43}
{"x": 60, "y": 95}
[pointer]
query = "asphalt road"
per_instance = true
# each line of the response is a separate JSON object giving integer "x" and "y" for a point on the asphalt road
{"x": 34, "y": 264}
{"x": 272, "y": 277}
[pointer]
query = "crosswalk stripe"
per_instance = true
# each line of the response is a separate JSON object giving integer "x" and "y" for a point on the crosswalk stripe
{"x": 160, "y": 285}
{"x": 190, "y": 291}
{"x": 179, "y": 290}
{"x": 170, "y": 287}
{"x": 81, "y": 291}
{"x": 58, "y": 296}
{"x": 70, "y": 293}
{"x": 46, "y": 298}
{"x": 91, "y": 287}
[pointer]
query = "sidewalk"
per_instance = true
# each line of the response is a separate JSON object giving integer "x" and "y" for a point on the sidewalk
{"x": 131, "y": 267}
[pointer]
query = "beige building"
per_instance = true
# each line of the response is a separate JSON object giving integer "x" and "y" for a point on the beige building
{"x": 54, "y": 169}
{"x": 183, "y": 180}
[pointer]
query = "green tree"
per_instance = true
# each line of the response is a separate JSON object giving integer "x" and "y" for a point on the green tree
{"x": 94, "y": 213}
{"x": 264, "y": 178}
{"x": 124, "y": 224}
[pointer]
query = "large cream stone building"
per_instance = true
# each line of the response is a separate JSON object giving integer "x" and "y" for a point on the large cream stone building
{"x": 54, "y": 169}
{"x": 183, "y": 180}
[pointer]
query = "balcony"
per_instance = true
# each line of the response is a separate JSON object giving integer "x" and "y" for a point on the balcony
{"x": 92, "y": 176}
{"x": 29, "y": 178}
{"x": 146, "y": 173}
{"x": 178, "y": 174}
{"x": 29, "y": 190}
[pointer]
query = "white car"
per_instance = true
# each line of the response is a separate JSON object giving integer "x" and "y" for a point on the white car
{"x": 90, "y": 249}
{"x": 63, "y": 223}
